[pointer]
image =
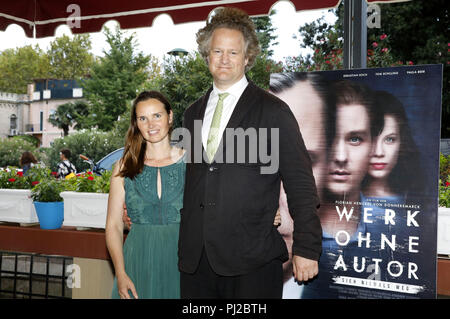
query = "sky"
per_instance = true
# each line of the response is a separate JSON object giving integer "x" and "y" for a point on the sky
{"x": 164, "y": 36}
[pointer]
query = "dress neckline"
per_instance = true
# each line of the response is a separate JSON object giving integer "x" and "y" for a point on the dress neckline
{"x": 165, "y": 166}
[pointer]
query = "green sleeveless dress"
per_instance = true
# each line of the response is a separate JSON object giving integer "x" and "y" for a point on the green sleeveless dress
{"x": 151, "y": 247}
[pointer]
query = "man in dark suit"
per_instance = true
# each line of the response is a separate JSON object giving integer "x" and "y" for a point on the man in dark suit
{"x": 228, "y": 245}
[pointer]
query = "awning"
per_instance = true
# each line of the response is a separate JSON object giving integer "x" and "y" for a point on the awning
{"x": 40, "y": 18}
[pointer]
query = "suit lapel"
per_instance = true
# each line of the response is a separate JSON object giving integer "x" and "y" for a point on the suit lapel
{"x": 202, "y": 107}
{"x": 244, "y": 105}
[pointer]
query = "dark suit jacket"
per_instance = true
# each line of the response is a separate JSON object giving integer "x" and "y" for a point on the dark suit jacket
{"x": 229, "y": 207}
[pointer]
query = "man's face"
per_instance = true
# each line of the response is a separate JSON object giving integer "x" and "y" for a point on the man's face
{"x": 308, "y": 109}
{"x": 350, "y": 153}
{"x": 226, "y": 60}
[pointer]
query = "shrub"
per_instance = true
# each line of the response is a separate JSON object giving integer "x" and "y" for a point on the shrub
{"x": 12, "y": 148}
{"x": 92, "y": 143}
{"x": 444, "y": 180}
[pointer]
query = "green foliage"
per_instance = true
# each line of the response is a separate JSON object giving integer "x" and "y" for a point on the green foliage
{"x": 10, "y": 178}
{"x": 115, "y": 79}
{"x": 18, "y": 67}
{"x": 91, "y": 183}
{"x": 261, "y": 70}
{"x": 444, "y": 195}
{"x": 183, "y": 81}
{"x": 69, "y": 114}
{"x": 92, "y": 143}
{"x": 48, "y": 190}
{"x": 264, "y": 32}
{"x": 70, "y": 58}
{"x": 12, "y": 148}
{"x": 444, "y": 180}
{"x": 327, "y": 43}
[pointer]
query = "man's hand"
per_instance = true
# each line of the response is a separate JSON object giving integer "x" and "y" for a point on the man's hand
{"x": 304, "y": 268}
{"x": 125, "y": 218}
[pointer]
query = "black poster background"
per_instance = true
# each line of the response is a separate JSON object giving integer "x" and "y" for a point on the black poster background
{"x": 419, "y": 89}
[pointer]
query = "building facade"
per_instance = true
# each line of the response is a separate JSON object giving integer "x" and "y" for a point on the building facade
{"x": 28, "y": 113}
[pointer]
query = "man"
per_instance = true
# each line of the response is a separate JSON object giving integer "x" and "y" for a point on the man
{"x": 312, "y": 104}
{"x": 228, "y": 246}
{"x": 65, "y": 167}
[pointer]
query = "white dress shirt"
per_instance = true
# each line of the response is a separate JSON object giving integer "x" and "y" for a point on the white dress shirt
{"x": 235, "y": 92}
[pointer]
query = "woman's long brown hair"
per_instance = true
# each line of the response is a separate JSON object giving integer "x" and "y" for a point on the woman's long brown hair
{"x": 135, "y": 145}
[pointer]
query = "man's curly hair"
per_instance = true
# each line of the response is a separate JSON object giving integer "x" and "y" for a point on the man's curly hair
{"x": 230, "y": 18}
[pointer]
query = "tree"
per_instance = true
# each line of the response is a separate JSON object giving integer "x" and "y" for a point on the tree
{"x": 70, "y": 58}
{"x": 183, "y": 80}
{"x": 18, "y": 68}
{"x": 265, "y": 33}
{"x": 115, "y": 79}
{"x": 69, "y": 114}
{"x": 419, "y": 32}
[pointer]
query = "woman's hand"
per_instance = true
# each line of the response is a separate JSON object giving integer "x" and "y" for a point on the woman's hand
{"x": 124, "y": 284}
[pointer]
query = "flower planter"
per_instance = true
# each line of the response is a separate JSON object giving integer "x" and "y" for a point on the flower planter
{"x": 444, "y": 230}
{"x": 50, "y": 214}
{"x": 16, "y": 206}
{"x": 85, "y": 209}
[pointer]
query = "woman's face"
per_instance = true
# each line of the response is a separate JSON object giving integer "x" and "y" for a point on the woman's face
{"x": 350, "y": 152}
{"x": 385, "y": 149}
{"x": 153, "y": 121}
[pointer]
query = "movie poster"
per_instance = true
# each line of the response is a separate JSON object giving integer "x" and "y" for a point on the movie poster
{"x": 373, "y": 138}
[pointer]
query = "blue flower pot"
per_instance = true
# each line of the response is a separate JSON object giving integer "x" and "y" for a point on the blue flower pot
{"x": 50, "y": 215}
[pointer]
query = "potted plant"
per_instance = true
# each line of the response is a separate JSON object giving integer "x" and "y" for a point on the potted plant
{"x": 444, "y": 206}
{"x": 15, "y": 194}
{"x": 48, "y": 202}
{"x": 86, "y": 202}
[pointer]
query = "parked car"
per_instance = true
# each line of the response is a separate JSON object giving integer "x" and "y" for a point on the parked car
{"x": 106, "y": 163}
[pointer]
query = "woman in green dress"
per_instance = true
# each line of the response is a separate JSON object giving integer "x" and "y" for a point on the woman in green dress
{"x": 149, "y": 178}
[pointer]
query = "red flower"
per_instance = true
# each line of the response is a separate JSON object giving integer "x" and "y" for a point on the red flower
{"x": 410, "y": 63}
{"x": 91, "y": 178}
{"x": 89, "y": 173}
{"x": 54, "y": 173}
{"x": 374, "y": 44}
{"x": 383, "y": 36}
{"x": 34, "y": 183}
{"x": 384, "y": 50}
{"x": 447, "y": 184}
{"x": 11, "y": 180}
{"x": 20, "y": 174}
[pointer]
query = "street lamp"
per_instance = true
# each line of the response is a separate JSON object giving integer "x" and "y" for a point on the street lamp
{"x": 178, "y": 52}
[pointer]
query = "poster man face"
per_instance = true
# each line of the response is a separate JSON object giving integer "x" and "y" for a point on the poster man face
{"x": 350, "y": 151}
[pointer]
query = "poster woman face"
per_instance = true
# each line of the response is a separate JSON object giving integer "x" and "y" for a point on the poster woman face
{"x": 350, "y": 153}
{"x": 385, "y": 149}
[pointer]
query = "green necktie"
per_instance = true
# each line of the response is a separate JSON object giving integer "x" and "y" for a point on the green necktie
{"x": 213, "y": 136}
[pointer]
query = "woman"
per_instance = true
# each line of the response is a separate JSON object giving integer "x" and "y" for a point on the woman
{"x": 150, "y": 180}
{"x": 394, "y": 178}
{"x": 27, "y": 161}
{"x": 394, "y": 168}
